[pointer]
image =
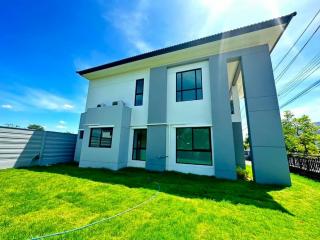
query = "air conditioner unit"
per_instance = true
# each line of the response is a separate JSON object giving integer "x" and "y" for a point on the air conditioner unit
{"x": 101, "y": 105}
{"x": 118, "y": 103}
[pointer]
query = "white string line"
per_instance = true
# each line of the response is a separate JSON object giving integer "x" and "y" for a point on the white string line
{"x": 101, "y": 220}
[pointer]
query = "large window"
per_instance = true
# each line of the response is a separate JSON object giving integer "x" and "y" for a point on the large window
{"x": 139, "y": 144}
{"x": 101, "y": 137}
{"x": 138, "y": 100}
{"x": 193, "y": 146}
{"x": 189, "y": 85}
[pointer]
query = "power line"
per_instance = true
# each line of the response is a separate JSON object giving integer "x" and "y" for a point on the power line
{"x": 302, "y": 93}
{"x": 295, "y": 57}
{"x": 314, "y": 17}
{"x": 307, "y": 70}
{"x": 314, "y": 61}
{"x": 298, "y": 83}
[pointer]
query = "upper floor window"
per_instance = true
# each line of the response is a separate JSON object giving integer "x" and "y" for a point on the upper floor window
{"x": 189, "y": 85}
{"x": 101, "y": 137}
{"x": 138, "y": 100}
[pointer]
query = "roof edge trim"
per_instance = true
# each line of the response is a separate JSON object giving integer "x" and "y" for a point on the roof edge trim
{"x": 216, "y": 37}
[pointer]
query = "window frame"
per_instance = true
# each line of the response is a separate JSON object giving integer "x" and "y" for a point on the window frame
{"x": 81, "y": 134}
{"x": 138, "y": 148}
{"x": 100, "y": 137}
{"x": 232, "y": 107}
{"x": 194, "y": 89}
{"x": 138, "y": 94}
{"x": 195, "y": 149}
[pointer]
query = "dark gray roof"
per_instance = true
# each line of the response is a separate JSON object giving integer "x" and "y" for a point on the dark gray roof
{"x": 247, "y": 29}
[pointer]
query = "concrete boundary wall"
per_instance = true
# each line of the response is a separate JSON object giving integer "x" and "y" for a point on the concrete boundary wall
{"x": 24, "y": 147}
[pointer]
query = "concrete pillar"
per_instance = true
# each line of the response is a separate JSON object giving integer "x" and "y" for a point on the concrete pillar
{"x": 268, "y": 151}
{"x": 77, "y": 152}
{"x": 157, "y": 118}
{"x": 237, "y": 129}
{"x": 223, "y": 145}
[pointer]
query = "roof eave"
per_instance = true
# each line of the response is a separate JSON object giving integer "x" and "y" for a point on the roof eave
{"x": 220, "y": 36}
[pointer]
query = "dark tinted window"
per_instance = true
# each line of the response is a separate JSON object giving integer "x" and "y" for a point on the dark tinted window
{"x": 81, "y": 132}
{"x": 189, "y": 85}
{"x": 232, "y": 106}
{"x": 101, "y": 137}
{"x": 193, "y": 146}
{"x": 139, "y": 144}
{"x": 138, "y": 100}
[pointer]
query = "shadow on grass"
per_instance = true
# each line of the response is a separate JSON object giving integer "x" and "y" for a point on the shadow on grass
{"x": 183, "y": 185}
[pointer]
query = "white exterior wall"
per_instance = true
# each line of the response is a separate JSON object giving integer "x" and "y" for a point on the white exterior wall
{"x": 195, "y": 113}
{"x": 122, "y": 87}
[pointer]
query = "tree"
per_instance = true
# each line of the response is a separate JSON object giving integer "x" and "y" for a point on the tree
{"x": 300, "y": 134}
{"x": 11, "y": 125}
{"x": 246, "y": 144}
{"x": 36, "y": 127}
{"x": 289, "y": 126}
{"x": 308, "y": 135}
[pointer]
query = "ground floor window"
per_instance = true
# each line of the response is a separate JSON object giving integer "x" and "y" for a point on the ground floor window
{"x": 139, "y": 144}
{"x": 193, "y": 146}
{"x": 101, "y": 137}
{"x": 81, "y": 134}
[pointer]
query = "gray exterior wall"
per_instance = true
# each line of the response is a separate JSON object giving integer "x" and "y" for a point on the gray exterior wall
{"x": 157, "y": 109}
{"x": 116, "y": 156}
{"x": 238, "y": 144}
{"x": 224, "y": 157}
{"x": 157, "y": 117}
{"x": 270, "y": 165}
{"x": 77, "y": 152}
{"x": 23, "y": 147}
{"x": 156, "y": 148}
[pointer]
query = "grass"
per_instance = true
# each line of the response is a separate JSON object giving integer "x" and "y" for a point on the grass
{"x": 42, "y": 200}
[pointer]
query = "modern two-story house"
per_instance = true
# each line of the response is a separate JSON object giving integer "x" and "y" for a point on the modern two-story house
{"x": 177, "y": 108}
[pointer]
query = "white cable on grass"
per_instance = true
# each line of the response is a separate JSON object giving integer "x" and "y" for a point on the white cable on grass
{"x": 101, "y": 220}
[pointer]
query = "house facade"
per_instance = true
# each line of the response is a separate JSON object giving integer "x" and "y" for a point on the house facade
{"x": 178, "y": 108}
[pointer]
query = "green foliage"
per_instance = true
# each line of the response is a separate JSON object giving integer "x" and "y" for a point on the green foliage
{"x": 246, "y": 144}
{"x": 300, "y": 134}
{"x": 36, "y": 127}
{"x": 43, "y": 200}
{"x": 242, "y": 173}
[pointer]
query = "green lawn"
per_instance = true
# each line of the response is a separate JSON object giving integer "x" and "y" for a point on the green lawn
{"x": 44, "y": 200}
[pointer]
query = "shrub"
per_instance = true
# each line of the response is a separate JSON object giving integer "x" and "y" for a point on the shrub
{"x": 242, "y": 173}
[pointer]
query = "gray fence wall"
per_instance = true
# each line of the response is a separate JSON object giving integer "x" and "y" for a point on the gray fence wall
{"x": 22, "y": 147}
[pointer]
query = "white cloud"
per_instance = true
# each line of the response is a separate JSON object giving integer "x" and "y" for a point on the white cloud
{"x": 132, "y": 24}
{"x": 309, "y": 108}
{"x": 7, "y": 106}
{"x": 46, "y": 100}
{"x": 67, "y": 106}
{"x": 214, "y": 10}
{"x": 61, "y": 126}
{"x": 27, "y": 99}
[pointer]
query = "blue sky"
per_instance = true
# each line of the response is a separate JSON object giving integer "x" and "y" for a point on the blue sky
{"x": 43, "y": 43}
